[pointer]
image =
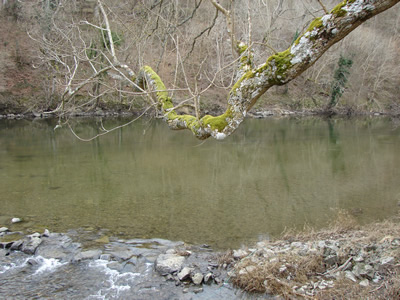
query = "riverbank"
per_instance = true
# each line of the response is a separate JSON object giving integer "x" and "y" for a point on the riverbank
{"x": 345, "y": 261}
{"x": 257, "y": 113}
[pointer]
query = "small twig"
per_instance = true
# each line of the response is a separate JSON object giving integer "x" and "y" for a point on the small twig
{"x": 340, "y": 268}
{"x": 107, "y": 131}
{"x": 378, "y": 288}
{"x": 323, "y": 6}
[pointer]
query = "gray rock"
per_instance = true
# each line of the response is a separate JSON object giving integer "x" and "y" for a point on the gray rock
{"x": 208, "y": 277}
{"x": 387, "y": 260}
{"x": 296, "y": 245}
{"x": 198, "y": 290}
{"x": 115, "y": 266}
{"x": 239, "y": 253}
{"x": 359, "y": 258}
{"x": 369, "y": 271}
{"x": 123, "y": 253}
{"x": 331, "y": 260}
{"x": 169, "y": 263}
{"x": 133, "y": 261}
{"x": 91, "y": 254}
{"x": 46, "y": 233}
{"x": 32, "y": 262}
{"x": 3, "y": 229}
{"x": 30, "y": 246}
{"x": 396, "y": 242}
{"x": 197, "y": 278}
{"x": 185, "y": 273}
{"x": 3, "y": 252}
{"x": 217, "y": 280}
{"x": 151, "y": 258}
{"x": 251, "y": 269}
{"x": 364, "y": 283}
{"x": 58, "y": 246}
{"x": 105, "y": 256}
{"x": 167, "y": 243}
{"x": 358, "y": 270}
{"x": 16, "y": 220}
{"x": 361, "y": 270}
{"x": 350, "y": 275}
{"x": 17, "y": 245}
{"x": 170, "y": 251}
{"x": 129, "y": 268}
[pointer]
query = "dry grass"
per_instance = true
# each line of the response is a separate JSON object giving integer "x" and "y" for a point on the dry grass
{"x": 343, "y": 223}
{"x": 282, "y": 273}
{"x": 345, "y": 289}
{"x": 226, "y": 258}
{"x": 279, "y": 275}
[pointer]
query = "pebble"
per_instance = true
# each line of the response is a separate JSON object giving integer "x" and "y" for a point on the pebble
{"x": 185, "y": 273}
{"x": 237, "y": 254}
{"x": 198, "y": 290}
{"x": 208, "y": 277}
{"x": 197, "y": 278}
{"x": 364, "y": 283}
{"x": 387, "y": 260}
{"x": 46, "y": 233}
{"x": 16, "y": 220}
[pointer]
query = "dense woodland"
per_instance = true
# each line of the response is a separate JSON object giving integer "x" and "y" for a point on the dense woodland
{"x": 189, "y": 44}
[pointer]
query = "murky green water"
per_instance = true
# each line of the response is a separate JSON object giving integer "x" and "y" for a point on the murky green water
{"x": 147, "y": 181}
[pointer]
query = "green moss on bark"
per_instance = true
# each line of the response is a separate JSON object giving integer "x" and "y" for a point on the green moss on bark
{"x": 282, "y": 63}
{"x": 338, "y": 10}
{"x": 217, "y": 123}
{"x": 316, "y": 23}
{"x": 247, "y": 75}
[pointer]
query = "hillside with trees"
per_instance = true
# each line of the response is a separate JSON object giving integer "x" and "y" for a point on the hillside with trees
{"x": 49, "y": 47}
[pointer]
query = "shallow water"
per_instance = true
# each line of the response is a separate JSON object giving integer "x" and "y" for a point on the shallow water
{"x": 92, "y": 280}
{"x": 145, "y": 181}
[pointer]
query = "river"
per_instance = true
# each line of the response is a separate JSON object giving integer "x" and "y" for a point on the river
{"x": 145, "y": 181}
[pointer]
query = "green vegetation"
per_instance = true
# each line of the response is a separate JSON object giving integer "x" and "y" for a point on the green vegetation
{"x": 217, "y": 123}
{"x": 117, "y": 39}
{"x": 340, "y": 79}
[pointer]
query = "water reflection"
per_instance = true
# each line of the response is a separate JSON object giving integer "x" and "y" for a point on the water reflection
{"x": 147, "y": 181}
{"x": 335, "y": 149}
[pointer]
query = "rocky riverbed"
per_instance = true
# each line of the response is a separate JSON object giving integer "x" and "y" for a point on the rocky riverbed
{"x": 42, "y": 265}
{"x": 341, "y": 262}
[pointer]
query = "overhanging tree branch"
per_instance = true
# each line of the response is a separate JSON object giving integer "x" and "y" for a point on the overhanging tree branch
{"x": 251, "y": 81}
{"x": 278, "y": 69}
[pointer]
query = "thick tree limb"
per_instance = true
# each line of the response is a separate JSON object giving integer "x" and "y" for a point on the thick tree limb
{"x": 278, "y": 69}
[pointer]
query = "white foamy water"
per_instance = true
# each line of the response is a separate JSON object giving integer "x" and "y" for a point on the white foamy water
{"x": 4, "y": 269}
{"x": 115, "y": 282}
{"x": 12, "y": 266}
{"x": 47, "y": 265}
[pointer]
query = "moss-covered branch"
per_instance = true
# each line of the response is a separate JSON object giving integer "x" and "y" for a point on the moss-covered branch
{"x": 205, "y": 127}
{"x": 278, "y": 69}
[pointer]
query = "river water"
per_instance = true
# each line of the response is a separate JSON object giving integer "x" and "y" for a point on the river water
{"x": 145, "y": 181}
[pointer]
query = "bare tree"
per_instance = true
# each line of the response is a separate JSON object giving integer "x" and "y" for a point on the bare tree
{"x": 251, "y": 81}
